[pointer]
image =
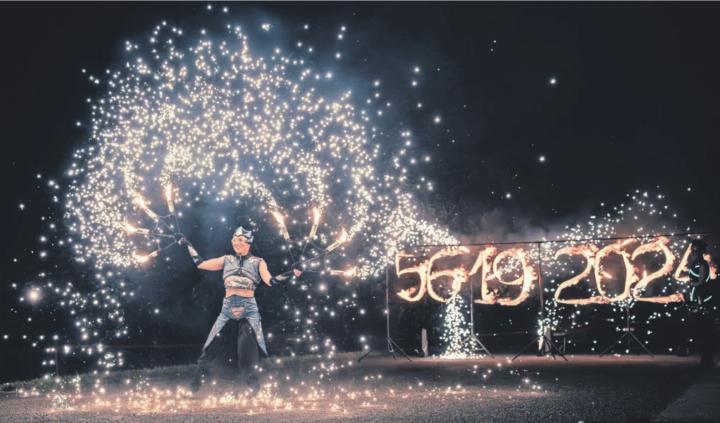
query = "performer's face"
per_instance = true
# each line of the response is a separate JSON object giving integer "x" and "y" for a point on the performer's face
{"x": 240, "y": 245}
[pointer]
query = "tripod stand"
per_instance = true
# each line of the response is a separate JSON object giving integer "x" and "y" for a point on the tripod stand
{"x": 392, "y": 346}
{"x": 546, "y": 341}
{"x": 627, "y": 333}
{"x": 473, "y": 338}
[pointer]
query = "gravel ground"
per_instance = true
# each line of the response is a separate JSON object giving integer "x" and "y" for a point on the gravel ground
{"x": 587, "y": 389}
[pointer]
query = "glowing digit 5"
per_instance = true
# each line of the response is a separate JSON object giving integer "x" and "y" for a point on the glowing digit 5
{"x": 420, "y": 270}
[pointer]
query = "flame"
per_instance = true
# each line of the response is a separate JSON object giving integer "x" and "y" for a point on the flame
{"x": 130, "y": 229}
{"x": 280, "y": 219}
{"x": 600, "y": 273}
{"x": 660, "y": 246}
{"x": 144, "y": 258}
{"x": 525, "y": 280}
{"x": 169, "y": 198}
{"x": 484, "y": 262}
{"x": 340, "y": 241}
{"x": 140, "y": 202}
{"x": 317, "y": 213}
{"x": 588, "y": 251}
{"x": 348, "y": 273}
{"x": 458, "y": 275}
{"x": 420, "y": 270}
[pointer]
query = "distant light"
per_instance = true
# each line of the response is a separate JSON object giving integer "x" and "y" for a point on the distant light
{"x": 437, "y": 119}
{"x": 553, "y": 81}
{"x": 542, "y": 158}
{"x": 33, "y": 295}
{"x": 266, "y": 27}
{"x": 508, "y": 195}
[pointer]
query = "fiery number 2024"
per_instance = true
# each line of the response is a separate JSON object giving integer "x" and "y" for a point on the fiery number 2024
{"x": 489, "y": 264}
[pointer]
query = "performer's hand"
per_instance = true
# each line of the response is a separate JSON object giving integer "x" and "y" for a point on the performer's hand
{"x": 297, "y": 272}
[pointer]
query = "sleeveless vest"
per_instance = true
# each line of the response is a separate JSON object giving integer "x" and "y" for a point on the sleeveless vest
{"x": 241, "y": 272}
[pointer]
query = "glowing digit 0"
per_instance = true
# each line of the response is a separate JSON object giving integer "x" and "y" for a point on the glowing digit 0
{"x": 630, "y": 277}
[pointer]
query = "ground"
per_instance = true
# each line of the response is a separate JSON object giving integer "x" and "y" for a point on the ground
{"x": 380, "y": 389}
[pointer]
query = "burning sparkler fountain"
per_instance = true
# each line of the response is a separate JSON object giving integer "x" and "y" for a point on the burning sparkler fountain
{"x": 204, "y": 120}
{"x": 191, "y": 121}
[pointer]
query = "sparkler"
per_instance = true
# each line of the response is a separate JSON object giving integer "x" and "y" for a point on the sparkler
{"x": 280, "y": 220}
{"x": 228, "y": 125}
{"x": 135, "y": 230}
{"x": 317, "y": 213}
{"x": 342, "y": 239}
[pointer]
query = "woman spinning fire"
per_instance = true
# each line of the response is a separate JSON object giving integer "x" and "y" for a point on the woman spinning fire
{"x": 239, "y": 316}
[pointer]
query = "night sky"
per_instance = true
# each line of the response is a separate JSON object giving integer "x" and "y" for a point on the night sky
{"x": 547, "y": 109}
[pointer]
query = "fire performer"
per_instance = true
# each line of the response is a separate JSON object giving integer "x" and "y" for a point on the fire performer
{"x": 700, "y": 301}
{"x": 237, "y": 330}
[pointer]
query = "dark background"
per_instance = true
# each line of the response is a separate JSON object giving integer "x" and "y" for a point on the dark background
{"x": 635, "y": 106}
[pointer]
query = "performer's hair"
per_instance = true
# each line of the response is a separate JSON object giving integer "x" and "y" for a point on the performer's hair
{"x": 698, "y": 245}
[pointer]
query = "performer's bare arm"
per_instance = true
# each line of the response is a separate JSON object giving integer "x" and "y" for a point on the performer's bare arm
{"x": 211, "y": 264}
{"x": 265, "y": 273}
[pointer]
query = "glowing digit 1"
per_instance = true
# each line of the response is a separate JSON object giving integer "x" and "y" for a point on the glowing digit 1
{"x": 660, "y": 246}
{"x": 484, "y": 263}
{"x": 588, "y": 251}
{"x": 458, "y": 274}
{"x": 630, "y": 277}
{"x": 420, "y": 270}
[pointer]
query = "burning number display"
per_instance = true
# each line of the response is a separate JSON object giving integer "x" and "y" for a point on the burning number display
{"x": 513, "y": 268}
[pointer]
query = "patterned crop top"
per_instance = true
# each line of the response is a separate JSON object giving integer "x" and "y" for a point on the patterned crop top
{"x": 241, "y": 272}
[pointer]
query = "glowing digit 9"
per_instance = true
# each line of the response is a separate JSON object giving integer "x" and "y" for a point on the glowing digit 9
{"x": 526, "y": 279}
